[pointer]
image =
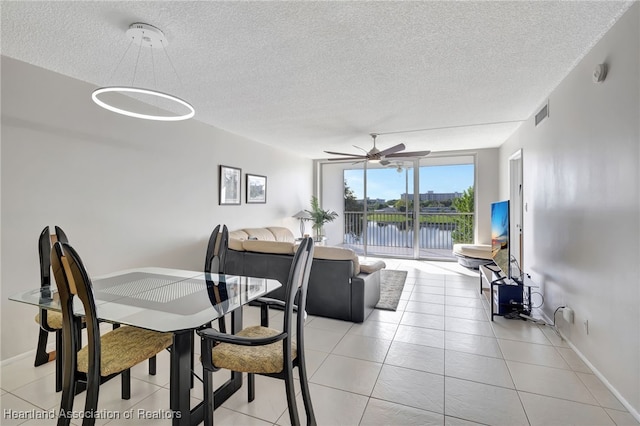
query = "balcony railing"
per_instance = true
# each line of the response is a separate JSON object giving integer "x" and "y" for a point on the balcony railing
{"x": 437, "y": 230}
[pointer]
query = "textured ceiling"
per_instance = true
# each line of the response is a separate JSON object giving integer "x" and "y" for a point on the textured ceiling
{"x": 312, "y": 76}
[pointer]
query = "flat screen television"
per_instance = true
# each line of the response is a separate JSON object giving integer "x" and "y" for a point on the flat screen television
{"x": 500, "y": 236}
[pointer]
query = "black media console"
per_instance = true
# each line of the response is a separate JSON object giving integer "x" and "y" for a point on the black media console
{"x": 507, "y": 297}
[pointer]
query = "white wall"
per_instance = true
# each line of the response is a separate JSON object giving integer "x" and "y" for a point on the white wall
{"x": 582, "y": 222}
{"x": 332, "y": 198}
{"x": 128, "y": 192}
{"x": 487, "y": 171}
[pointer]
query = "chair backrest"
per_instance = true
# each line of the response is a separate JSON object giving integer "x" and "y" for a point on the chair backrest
{"x": 44, "y": 250}
{"x": 217, "y": 250}
{"x": 298, "y": 283}
{"x": 72, "y": 280}
{"x": 59, "y": 235}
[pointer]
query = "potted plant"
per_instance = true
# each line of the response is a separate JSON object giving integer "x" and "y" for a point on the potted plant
{"x": 319, "y": 217}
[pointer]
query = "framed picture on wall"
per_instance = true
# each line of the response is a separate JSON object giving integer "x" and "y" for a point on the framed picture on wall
{"x": 229, "y": 185}
{"x": 256, "y": 189}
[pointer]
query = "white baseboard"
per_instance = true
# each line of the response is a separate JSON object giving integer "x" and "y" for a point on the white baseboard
{"x": 32, "y": 353}
{"x": 595, "y": 371}
{"x": 16, "y": 358}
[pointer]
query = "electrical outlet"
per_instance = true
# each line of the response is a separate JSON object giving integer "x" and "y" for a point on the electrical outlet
{"x": 586, "y": 326}
{"x": 567, "y": 314}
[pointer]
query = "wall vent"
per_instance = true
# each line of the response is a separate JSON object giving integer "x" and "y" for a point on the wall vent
{"x": 542, "y": 114}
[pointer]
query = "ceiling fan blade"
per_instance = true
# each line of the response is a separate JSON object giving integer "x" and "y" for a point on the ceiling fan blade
{"x": 391, "y": 150}
{"x": 344, "y": 153}
{"x": 409, "y": 154}
{"x": 361, "y": 158}
{"x": 361, "y": 149}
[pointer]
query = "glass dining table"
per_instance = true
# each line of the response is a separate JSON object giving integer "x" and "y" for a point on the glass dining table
{"x": 169, "y": 300}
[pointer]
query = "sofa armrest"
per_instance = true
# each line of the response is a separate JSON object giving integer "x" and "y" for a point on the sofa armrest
{"x": 329, "y": 293}
{"x": 365, "y": 294}
{"x": 369, "y": 267}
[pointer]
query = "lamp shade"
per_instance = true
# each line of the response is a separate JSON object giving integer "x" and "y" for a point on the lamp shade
{"x": 302, "y": 214}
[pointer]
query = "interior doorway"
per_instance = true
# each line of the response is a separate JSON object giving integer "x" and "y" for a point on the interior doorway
{"x": 516, "y": 197}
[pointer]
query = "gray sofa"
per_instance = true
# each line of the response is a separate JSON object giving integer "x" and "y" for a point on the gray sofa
{"x": 339, "y": 286}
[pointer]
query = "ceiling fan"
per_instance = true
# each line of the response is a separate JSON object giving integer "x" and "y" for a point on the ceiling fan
{"x": 374, "y": 154}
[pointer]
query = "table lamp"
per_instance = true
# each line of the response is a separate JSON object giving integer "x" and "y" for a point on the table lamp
{"x": 302, "y": 215}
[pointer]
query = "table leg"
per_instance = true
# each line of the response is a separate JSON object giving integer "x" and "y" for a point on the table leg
{"x": 180, "y": 378}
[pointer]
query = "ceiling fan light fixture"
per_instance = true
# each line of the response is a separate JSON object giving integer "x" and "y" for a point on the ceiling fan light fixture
{"x": 147, "y": 36}
{"x": 374, "y": 155}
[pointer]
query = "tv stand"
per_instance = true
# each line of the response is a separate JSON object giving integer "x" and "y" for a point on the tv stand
{"x": 494, "y": 268}
{"x": 506, "y": 296}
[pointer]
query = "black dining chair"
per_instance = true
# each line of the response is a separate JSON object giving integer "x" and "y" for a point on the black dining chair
{"x": 214, "y": 261}
{"x": 49, "y": 321}
{"x": 104, "y": 357}
{"x": 215, "y": 257}
{"x": 263, "y": 350}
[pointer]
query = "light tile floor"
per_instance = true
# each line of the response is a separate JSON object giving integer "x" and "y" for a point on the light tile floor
{"x": 437, "y": 360}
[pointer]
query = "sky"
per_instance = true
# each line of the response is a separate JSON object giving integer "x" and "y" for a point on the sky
{"x": 388, "y": 184}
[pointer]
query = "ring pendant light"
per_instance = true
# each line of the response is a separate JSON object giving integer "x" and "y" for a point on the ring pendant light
{"x": 147, "y": 36}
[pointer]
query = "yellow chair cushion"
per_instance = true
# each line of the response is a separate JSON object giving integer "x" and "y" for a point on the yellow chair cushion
{"x": 54, "y": 319}
{"x": 124, "y": 348}
{"x": 264, "y": 359}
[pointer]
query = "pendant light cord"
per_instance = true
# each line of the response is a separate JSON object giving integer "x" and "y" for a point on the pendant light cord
{"x": 172, "y": 66}
{"x": 119, "y": 62}
{"x": 135, "y": 67}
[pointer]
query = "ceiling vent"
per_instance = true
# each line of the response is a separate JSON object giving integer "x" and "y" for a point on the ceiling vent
{"x": 542, "y": 114}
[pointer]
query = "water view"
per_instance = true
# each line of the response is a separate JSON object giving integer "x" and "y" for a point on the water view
{"x": 391, "y": 236}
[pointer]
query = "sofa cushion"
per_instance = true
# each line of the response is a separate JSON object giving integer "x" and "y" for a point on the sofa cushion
{"x": 238, "y": 235}
{"x": 236, "y": 244}
{"x": 276, "y": 247}
{"x": 262, "y": 234}
{"x": 356, "y": 266}
{"x": 370, "y": 266}
{"x": 282, "y": 234}
{"x": 337, "y": 253}
{"x": 333, "y": 253}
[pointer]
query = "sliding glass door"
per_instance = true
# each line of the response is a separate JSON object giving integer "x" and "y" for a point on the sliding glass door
{"x": 414, "y": 209}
